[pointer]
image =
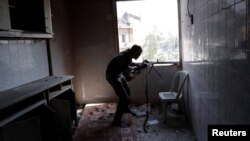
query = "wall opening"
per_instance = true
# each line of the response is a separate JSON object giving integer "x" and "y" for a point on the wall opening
{"x": 153, "y": 24}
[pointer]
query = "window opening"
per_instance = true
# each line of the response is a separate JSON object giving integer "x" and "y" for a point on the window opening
{"x": 152, "y": 24}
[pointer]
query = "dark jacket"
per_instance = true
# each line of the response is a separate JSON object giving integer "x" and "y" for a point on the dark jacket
{"x": 119, "y": 66}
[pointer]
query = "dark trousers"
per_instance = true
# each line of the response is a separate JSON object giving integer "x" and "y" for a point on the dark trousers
{"x": 122, "y": 91}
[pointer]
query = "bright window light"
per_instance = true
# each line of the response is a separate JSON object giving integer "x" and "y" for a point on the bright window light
{"x": 152, "y": 24}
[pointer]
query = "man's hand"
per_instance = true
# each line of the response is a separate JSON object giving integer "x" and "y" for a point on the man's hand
{"x": 135, "y": 70}
{"x": 144, "y": 64}
{"x": 145, "y": 61}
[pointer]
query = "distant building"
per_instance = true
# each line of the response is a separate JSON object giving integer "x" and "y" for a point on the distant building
{"x": 126, "y": 30}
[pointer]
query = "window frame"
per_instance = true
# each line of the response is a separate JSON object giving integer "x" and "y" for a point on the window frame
{"x": 179, "y": 34}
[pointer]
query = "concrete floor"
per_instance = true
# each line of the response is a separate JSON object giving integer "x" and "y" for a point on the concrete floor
{"x": 176, "y": 128}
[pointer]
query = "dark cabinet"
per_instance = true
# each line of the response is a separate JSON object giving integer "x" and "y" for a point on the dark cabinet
{"x": 25, "y": 18}
{"x": 43, "y": 110}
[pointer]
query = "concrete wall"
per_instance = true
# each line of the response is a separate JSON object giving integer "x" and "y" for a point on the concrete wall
{"x": 152, "y": 83}
{"x": 61, "y": 48}
{"x": 216, "y": 54}
{"x": 94, "y": 46}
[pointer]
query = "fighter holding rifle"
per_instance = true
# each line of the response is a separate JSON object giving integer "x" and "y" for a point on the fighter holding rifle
{"x": 120, "y": 70}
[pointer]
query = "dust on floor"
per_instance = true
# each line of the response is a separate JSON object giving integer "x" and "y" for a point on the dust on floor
{"x": 95, "y": 125}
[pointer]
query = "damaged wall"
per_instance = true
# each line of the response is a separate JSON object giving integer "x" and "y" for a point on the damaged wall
{"x": 216, "y": 55}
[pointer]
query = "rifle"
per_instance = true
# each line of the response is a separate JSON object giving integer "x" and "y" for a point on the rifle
{"x": 133, "y": 71}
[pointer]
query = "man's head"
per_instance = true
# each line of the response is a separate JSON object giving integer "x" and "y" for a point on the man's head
{"x": 135, "y": 51}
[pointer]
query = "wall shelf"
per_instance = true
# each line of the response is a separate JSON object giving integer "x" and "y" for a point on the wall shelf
{"x": 53, "y": 94}
{"x": 22, "y": 34}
